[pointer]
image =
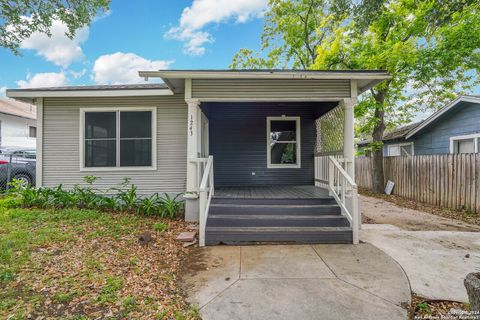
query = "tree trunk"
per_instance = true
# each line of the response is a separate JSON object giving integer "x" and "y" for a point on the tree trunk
{"x": 377, "y": 136}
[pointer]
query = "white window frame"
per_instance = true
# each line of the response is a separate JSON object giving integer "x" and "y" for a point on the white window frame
{"x": 474, "y": 136}
{"x": 153, "y": 110}
{"x": 297, "y": 142}
{"x": 400, "y": 145}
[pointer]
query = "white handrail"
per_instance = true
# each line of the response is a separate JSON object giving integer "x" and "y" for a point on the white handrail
{"x": 205, "y": 193}
{"x": 343, "y": 187}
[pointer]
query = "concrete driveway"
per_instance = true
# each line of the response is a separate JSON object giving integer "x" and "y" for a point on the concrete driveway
{"x": 436, "y": 262}
{"x": 297, "y": 282}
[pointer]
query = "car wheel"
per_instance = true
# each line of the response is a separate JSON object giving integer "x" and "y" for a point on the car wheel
{"x": 24, "y": 178}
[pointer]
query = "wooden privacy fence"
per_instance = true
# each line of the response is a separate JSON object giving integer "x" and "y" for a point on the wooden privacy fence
{"x": 450, "y": 180}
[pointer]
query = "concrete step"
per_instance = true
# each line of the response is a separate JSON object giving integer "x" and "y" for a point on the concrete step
{"x": 247, "y": 235}
{"x": 250, "y": 220}
{"x": 307, "y": 201}
{"x": 274, "y": 209}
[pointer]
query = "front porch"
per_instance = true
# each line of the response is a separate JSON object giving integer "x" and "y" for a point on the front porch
{"x": 256, "y": 128}
{"x": 272, "y": 192}
{"x": 263, "y": 174}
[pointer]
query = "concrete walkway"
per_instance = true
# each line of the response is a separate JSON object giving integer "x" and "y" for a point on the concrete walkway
{"x": 297, "y": 282}
{"x": 436, "y": 262}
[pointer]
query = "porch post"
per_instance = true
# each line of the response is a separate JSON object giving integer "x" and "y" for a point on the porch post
{"x": 348, "y": 136}
{"x": 193, "y": 149}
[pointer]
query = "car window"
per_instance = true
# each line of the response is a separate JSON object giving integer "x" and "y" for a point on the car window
{"x": 30, "y": 154}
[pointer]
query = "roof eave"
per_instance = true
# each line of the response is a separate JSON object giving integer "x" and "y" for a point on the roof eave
{"x": 31, "y": 95}
{"x": 174, "y": 74}
{"x": 440, "y": 112}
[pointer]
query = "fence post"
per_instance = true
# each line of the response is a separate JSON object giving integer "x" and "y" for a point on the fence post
{"x": 9, "y": 173}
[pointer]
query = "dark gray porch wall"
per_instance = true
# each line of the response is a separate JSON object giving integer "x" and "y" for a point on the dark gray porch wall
{"x": 238, "y": 142}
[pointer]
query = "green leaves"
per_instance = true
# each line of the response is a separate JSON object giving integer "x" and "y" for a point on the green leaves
{"x": 292, "y": 30}
{"x": 20, "y": 18}
{"x": 124, "y": 198}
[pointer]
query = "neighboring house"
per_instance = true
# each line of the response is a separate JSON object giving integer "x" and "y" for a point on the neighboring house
{"x": 455, "y": 128}
{"x": 18, "y": 124}
{"x": 241, "y": 146}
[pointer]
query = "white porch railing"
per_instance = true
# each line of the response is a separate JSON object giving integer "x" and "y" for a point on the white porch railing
{"x": 205, "y": 192}
{"x": 331, "y": 174}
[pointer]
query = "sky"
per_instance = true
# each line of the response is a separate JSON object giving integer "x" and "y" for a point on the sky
{"x": 133, "y": 36}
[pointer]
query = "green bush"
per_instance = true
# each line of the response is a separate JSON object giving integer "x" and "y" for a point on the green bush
{"x": 122, "y": 198}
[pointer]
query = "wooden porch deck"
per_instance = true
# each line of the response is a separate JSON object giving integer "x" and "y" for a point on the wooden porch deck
{"x": 272, "y": 192}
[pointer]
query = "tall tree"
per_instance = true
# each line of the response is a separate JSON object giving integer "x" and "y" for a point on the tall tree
{"x": 20, "y": 18}
{"x": 431, "y": 49}
{"x": 292, "y": 31}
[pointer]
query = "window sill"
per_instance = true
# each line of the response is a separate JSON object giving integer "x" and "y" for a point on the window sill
{"x": 284, "y": 166}
{"x": 113, "y": 169}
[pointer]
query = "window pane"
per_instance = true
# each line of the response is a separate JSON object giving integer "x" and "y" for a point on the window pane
{"x": 136, "y": 124}
{"x": 283, "y": 153}
{"x": 393, "y": 151}
{"x": 466, "y": 146}
{"x": 100, "y": 153}
{"x": 100, "y": 125}
{"x": 32, "y": 132}
{"x": 285, "y": 130}
{"x": 406, "y": 150}
{"x": 136, "y": 152}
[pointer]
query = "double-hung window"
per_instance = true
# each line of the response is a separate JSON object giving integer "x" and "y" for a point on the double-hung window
{"x": 283, "y": 142}
{"x": 465, "y": 144}
{"x": 400, "y": 149}
{"x": 118, "y": 139}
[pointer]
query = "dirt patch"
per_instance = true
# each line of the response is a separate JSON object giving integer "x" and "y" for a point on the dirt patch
{"x": 422, "y": 308}
{"x": 377, "y": 208}
{"x": 462, "y": 215}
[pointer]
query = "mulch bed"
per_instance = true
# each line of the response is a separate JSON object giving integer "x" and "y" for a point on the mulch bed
{"x": 462, "y": 215}
{"x": 422, "y": 308}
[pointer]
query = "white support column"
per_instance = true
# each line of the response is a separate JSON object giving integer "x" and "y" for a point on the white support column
{"x": 193, "y": 149}
{"x": 193, "y": 145}
{"x": 348, "y": 135}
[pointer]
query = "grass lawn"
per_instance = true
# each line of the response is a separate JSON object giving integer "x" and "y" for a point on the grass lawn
{"x": 84, "y": 264}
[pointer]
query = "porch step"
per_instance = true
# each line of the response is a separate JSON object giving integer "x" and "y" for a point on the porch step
{"x": 246, "y": 235}
{"x": 313, "y": 220}
{"x": 281, "y": 201}
{"x": 270, "y": 220}
{"x": 274, "y": 209}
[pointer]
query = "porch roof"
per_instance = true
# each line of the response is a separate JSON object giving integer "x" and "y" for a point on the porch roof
{"x": 175, "y": 79}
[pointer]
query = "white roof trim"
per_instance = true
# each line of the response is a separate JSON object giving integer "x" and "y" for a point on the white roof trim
{"x": 440, "y": 112}
{"x": 88, "y": 93}
{"x": 175, "y": 74}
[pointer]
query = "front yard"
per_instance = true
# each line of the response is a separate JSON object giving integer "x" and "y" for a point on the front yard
{"x": 86, "y": 264}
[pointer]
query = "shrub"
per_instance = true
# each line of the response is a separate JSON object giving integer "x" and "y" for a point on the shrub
{"x": 123, "y": 198}
{"x": 170, "y": 206}
{"x": 149, "y": 205}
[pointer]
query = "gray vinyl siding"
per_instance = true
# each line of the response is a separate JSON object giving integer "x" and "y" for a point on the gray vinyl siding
{"x": 463, "y": 119}
{"x": 238, "y": 142}
{"x": 268, "y": 89}
{"x": 61, "y": 144}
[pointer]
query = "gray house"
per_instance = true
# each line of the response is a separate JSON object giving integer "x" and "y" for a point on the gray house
{"x": 455, "y": 128}
{"x": 254, "y": 152}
